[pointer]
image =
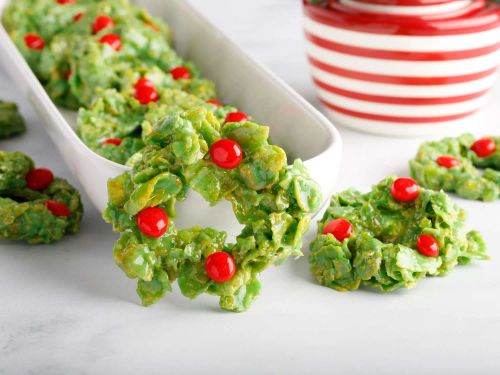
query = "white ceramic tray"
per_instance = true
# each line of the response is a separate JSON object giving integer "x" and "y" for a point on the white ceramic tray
{"x": 295, "y": 125}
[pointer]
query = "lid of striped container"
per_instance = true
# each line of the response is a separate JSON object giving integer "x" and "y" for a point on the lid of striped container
{"x": 407, "y": 2}
{"x": 435, "y": 18}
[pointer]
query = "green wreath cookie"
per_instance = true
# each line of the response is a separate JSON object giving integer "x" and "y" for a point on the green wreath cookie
{"x": 113, "y": 125}
{"x": 451, "y": 164}
{"x": 233, "y": 161}
{"x": 391, "y": 237}
{"x": 11, "y": 122}
{"x": 35, "y": 206}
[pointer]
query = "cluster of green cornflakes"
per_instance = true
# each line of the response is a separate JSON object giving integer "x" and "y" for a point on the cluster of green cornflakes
{"x": 119, "y": 115}
{"x": 75, "y": 66}
{"x": 11, "y": 122}
{"x": 464, "y": 179}
{"x": 273, "y": 200}
{"x": 23, "y": 212}
{"x": 381, "y": 251}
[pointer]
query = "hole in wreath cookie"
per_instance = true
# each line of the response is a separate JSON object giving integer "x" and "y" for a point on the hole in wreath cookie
{"x": 195, "y": 211}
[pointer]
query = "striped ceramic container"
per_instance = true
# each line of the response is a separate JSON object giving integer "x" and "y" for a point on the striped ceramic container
{"x": 403, "y": 67}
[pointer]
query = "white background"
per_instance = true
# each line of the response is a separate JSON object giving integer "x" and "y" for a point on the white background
{"x": 67, "y": 309}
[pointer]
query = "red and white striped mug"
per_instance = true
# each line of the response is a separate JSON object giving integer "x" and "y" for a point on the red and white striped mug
{"x": 402, "y": 67}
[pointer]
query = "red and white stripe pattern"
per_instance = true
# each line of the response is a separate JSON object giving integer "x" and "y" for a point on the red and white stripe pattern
{"x": 407, "y": 78}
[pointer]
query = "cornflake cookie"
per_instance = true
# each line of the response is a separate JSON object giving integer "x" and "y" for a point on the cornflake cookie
{"x": 233, "y": 161}
{"x": 391, "y": 237}
{"x": 112, "y": 126}
{"x": 467, "y": 166}
{"x": 11, "y": 122}
{"x": 35, "y": 206}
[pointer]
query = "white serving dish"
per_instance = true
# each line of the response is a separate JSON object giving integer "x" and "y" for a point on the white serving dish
{"x": 295, "y": 125}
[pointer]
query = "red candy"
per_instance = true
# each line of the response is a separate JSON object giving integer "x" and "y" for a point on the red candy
{"x": 39, "y": 178}
{"x": 220, "y": 266}
{"x": 113, "y": 141}
{"x": 153, "y": 221}
{"x": 179, "y": 72}
{"x": 339, "y": 228}
{"x": 145, "y": 91}
{"x": 236, "y": 117}
{"x": 143, "y": 81}
{"x": 112, "y": 40}
{"x": 58, "y": 208}
{"x": 447, "y": 162}
{"x": 427, "y": 245}
{"x": 484, "y": 147}
{"x": 77, "y": 17}
{"x": 226, "y": 153}
{"x": 405, "y": 189}
{"x": 214, "y": 102}
{"x": 34, "y": 41}
{"x": 101, "y": 23}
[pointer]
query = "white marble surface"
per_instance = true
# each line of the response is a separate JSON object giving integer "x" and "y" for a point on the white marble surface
{"x": 67, "y": 309}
